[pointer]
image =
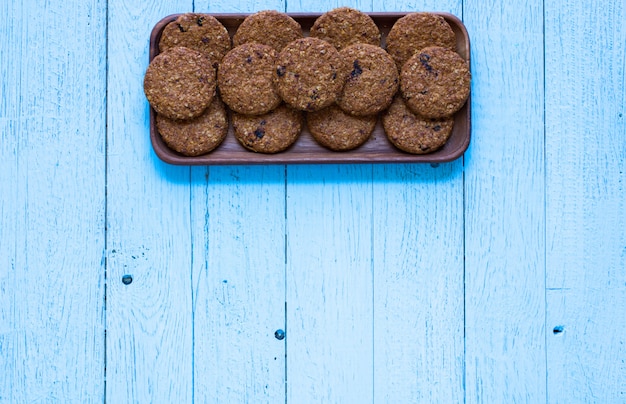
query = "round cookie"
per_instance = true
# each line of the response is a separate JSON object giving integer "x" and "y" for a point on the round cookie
{"x": 309, "y": 74}
{"x": 435, "y": 82}
{"x": 268, "y": 27}
{"x": 412, "y": 133}
{"x": 336, "y": 130}
{"x": 269, "y": 133}
{"x": 179, "y": 83}
{"x": 201, "y": 32}
{"x": 372, "y": 82}
{"x": 345, "y": 26}
{"x": 246, "y": 79}
{"x": 415, "y": 31}
{"x": 197, "y": 136}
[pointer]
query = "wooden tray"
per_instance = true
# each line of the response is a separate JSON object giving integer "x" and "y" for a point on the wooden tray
{"x": 305, "y": 150}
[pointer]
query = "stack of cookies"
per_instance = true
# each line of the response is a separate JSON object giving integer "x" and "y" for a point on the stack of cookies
{"x": 434, "y": 83}
{"x": 270, "y": 76}
{"x": 180, "y": 84}
{"x": 368, "y": 75}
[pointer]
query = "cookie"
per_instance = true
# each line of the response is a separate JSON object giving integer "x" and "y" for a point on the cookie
{"x": 269, "y": 133}
{"x": 268, "y": 27}
{"x": 412, "y": 133}
{"x": 336, "y": 130}
{"x": 179, "y": 83}
{"x": 416, "y": 31}
{"x": 197, "y": 136}
{"x": 246, "y": 79}
{"x": 201, "y": 32}
{"x": 309, "y": 74}
{"x": 435, "y": 82}
{"x": 345, "y": 26}
{"x": 372, "y": 82}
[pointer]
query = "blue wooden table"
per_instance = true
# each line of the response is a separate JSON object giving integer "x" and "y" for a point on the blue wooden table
{"x": 499, "y": 277}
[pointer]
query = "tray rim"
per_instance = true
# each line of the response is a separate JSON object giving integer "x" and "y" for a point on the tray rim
{"x": 323, "y": 157}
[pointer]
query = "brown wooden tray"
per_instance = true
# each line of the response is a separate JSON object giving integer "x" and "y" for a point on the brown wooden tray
{"x": 305, "y": 150}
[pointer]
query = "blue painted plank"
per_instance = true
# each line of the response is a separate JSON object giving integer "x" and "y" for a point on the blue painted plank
{"x": 239, "y": 285}
{"x": 586, "y": 201}
{"x": 52, "y": 199}
{"x": 149, "y": 321}
{"x": 329, "y": 284}
{"x": 586, "y": 144}
{"x": 586, "y": 345}
{"x": 418, "y": 284}
{"x": 504, "y": 209}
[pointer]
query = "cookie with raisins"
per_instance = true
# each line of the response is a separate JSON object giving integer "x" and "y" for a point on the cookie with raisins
{"x": 415, "y": 31}
{"x": 201, "y": 32}
{"x": 246, "y": 79}
{"x": 372, "y": 82}
{"x": 337, "y": 130}
{"x": 309, "y": 74}
{"x": 435, "y": 82}
{"x": 412, "y": 133}
{"x": 197, "y": 136}
{"x": 268, "y": 133}
{"x": 179, "y": 83}
{"x": 268, "y": 27}
{"x": 345, "y": 26}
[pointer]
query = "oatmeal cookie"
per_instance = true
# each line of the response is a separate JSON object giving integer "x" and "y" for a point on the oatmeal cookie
{"x": 346, "y": 26}
{"x": 268, "y": 27}
{"x": 201, "y": 32}
{"x": 268, "y": 133}
{"x": 309, "y": 74}
{"x": 336, "y": 130}
{"x": 179, "y": 83}
{"x": 372, "y": 82}
{"x": 415, "y": 31}
{"x": 435, "y": 82}
{"x": 197, "y": 136}
{"x": 412, "y": 133}
{"x": 246, "y": 79}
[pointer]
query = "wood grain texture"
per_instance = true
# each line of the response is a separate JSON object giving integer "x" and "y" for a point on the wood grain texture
{"x": 418, "y": 272}
{"x": 13, "y": 381}
{"x": 149, "y": 322}
{"x": 504, "y": 209}
{"x": 586, "y": 165}
{"x": 329, "y": 284}
{"x": 52, "y": 116}
{"x": 418, "y": 284}
{"x": 586, "y": 345}
{"x": 239, "y": 284}
{"x": 238, "y": 233}
{"x": 586, "y": 201}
